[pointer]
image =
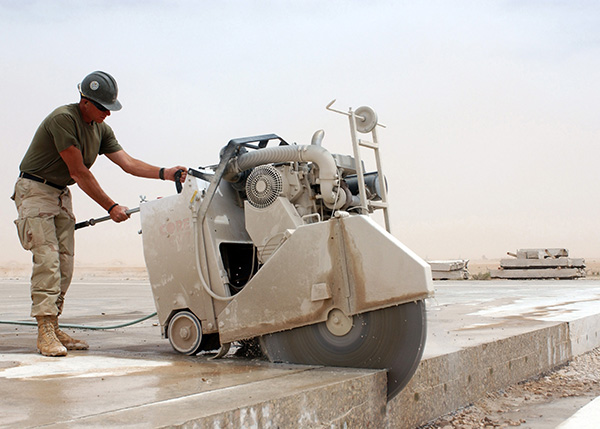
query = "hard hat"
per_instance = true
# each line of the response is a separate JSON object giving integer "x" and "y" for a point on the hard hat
{"x": 102, "y": 88}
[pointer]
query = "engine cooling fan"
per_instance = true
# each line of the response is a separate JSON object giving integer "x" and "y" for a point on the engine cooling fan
{"x": 263, "y": 186}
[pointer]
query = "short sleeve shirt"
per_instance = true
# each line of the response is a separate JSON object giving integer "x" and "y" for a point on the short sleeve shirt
{"x": 63, "y": 128}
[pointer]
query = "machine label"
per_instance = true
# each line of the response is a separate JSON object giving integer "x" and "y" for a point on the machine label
{"x": 175, "y": 227}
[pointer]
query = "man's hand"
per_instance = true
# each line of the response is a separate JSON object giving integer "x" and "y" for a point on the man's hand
{"x": 119, "y": 213}
{"x": 170, "y": 173}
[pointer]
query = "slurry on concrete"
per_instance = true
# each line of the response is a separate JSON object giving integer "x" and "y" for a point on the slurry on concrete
{"x": 482, "y": 336}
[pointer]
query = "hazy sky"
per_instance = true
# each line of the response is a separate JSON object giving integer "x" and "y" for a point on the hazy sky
{"x": 492, "y": 138}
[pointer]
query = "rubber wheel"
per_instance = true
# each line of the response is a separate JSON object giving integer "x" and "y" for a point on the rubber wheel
{"x": 392, "y": 338}
{"x": 185, "y": 333}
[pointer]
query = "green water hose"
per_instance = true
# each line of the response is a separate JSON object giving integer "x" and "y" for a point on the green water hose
{"x": 93, "y": 328}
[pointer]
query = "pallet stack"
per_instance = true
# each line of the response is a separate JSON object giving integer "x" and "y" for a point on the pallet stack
{"x": 449, "y": 270}
{"x": 540, "y": 264}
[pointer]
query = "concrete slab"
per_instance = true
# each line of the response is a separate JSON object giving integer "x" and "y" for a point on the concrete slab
{"x": 544, "y": 273}
{"x": 131, "y": 377}
{"x": 450, "y": 269}
{"x": 561, "y": 262}
{"x": 450, "y": 265}
{"x": 486, "y": 335}
{"x": 450, "y": 275}
{"x": 482, "y": 336}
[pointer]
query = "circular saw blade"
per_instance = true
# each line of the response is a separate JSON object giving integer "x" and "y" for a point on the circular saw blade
{"x": 392, "y": 338}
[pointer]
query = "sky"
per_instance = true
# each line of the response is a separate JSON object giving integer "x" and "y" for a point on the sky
{"x": 491, "y": 108}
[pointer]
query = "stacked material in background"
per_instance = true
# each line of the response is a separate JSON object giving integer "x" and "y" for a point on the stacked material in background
{"x": 449, "y": 270}
{"x": 540, "y": 264}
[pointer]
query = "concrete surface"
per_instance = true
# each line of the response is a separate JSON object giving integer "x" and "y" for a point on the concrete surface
{"x": 482, "y": 336}
{"x": 487, "y": 335}
{"x": 587, "y": 417}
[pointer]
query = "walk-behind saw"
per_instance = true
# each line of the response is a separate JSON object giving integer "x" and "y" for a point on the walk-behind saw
{"x": 275, "y": 244}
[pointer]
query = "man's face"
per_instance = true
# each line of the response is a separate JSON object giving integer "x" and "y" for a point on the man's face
{"x": 94, "y": 113}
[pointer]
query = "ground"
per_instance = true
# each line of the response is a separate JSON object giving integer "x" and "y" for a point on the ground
{"x": 541, "y": 402}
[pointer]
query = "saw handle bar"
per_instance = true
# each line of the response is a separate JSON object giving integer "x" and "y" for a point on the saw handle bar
{"x": 177, "y": 178}
{"x": 93, "y": 221}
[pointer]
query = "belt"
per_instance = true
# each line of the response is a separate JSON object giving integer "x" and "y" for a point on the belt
{"x": 39, "y": 179}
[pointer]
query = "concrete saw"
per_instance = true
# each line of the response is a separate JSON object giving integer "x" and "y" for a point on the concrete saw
{"x": 277, "y": 244}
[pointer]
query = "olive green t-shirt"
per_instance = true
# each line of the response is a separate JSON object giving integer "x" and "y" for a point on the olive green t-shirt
{"x": 65, "y": 127}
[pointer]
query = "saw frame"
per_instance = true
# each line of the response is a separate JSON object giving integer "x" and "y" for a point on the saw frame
{"x": 276, "y": 243}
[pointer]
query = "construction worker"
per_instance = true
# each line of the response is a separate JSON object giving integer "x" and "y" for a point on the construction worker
{"x": 61, "y": 153}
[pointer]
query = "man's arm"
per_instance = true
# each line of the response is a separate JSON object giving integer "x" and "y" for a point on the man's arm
{"x": 88, "y": 183}
{"x": 141, "y": 169}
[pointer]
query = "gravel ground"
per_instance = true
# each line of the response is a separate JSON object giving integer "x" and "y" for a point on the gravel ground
{"x": 542, "y": 402}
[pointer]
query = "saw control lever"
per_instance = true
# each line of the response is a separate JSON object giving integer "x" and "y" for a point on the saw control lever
{"x": 93, "y": 221}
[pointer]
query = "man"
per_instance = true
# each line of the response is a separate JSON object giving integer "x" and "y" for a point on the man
{"x": 61, "y": 153}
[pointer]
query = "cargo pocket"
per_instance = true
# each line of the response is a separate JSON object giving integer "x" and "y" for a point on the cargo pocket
{"x": 31, "y": 232}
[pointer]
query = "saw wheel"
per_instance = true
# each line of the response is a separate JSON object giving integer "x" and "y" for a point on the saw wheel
{"x": 392, "y": 338}
{"x": 185, "y": 333}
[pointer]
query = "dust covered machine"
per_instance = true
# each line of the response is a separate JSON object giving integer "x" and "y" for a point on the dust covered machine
{"x": 276, "y": 245}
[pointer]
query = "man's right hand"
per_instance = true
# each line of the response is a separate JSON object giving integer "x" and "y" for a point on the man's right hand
{"x": 119, "y": 213}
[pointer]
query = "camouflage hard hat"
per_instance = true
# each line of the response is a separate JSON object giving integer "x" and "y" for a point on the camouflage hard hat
{"x": 102, "y": 88}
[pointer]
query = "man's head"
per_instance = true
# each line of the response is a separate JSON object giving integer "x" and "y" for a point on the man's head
{"x": 101, "y": 89}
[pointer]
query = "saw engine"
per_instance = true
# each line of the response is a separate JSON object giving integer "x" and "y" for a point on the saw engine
{"x": 276, "y": 245}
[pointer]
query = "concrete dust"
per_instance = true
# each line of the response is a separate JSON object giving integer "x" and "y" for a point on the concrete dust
{"x": 542, "y": 402}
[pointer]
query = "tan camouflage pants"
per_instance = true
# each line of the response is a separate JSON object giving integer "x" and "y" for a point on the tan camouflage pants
{"x": 46, "y": 227}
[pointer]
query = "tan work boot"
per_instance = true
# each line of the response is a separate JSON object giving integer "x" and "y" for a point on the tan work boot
{"x": 69, "y": 342}
{"x": 47, "y": 343}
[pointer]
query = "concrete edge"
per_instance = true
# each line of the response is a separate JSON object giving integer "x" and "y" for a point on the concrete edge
{"x": 445, "y": 383}
{"x": 314, "y": 398}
